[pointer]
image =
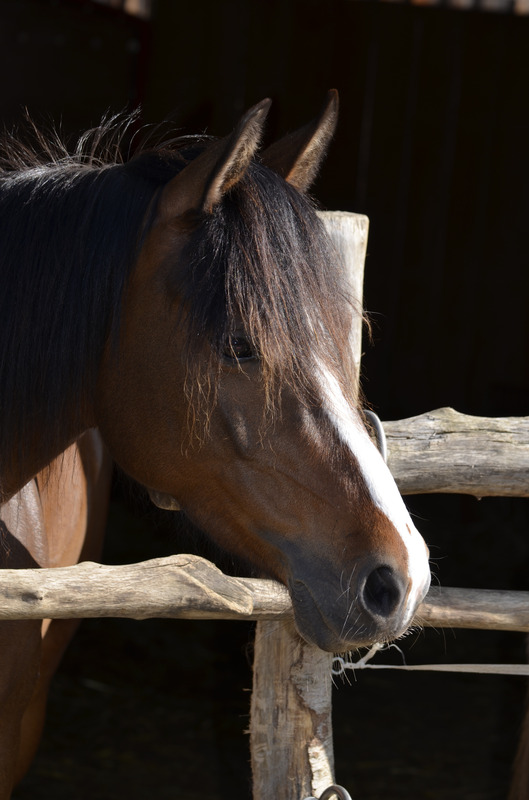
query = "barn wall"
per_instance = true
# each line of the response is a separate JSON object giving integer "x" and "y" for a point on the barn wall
{"x": 69, "y": 62}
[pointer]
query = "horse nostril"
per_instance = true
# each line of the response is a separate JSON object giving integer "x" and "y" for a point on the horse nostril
{"x": 382, "y": 593}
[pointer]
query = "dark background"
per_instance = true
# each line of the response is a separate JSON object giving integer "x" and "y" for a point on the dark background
{"x": 433, "y": 147}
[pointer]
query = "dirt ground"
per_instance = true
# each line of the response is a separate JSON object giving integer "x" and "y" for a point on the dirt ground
{"x": 160, "y": 708}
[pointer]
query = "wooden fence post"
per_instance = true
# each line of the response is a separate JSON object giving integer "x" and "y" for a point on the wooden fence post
{"x": 290, "y": 720}
{"x": 291, "y": 727}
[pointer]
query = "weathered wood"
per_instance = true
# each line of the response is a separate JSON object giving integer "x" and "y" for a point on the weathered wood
{"x": 349, "y": 234}
{"x": 483, "y": 609}
{"x": 291, "y": 730}
{"x": 183, "y": 586}
{"x": 189, "y": 587}
{"x": 445, "y": 451}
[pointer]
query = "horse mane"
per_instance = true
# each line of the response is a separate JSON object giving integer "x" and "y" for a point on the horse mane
{"x": 72, "y": 223}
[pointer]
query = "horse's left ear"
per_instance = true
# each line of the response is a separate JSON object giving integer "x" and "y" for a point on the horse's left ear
{"x": 297, "y": 157}
{"x": 201, "y": 185}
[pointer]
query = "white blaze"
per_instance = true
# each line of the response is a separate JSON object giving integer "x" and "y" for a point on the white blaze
{"x": 380, "y": 483}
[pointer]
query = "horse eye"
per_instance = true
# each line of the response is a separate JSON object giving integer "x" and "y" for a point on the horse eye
{"x": 238, "y": 348}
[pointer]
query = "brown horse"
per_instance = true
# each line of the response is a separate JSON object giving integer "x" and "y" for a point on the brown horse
{"x": 189, "y": 306}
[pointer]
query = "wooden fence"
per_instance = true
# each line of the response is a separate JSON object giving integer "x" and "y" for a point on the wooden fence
{"x": 290, "y": 725}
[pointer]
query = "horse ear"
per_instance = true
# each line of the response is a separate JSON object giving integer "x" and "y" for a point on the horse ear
{"x": 297, "y": 156}
{"x": 204, "y": 181}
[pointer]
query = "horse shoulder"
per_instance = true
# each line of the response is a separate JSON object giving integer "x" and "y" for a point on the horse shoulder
{"x": 57, "y": 519}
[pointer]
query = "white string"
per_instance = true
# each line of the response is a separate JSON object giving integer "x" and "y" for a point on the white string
{"x": 340, "y": 665}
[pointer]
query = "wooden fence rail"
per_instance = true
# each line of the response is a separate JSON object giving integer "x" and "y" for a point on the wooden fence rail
{"x": 444, "y": 451}
{"x": 189, "y": 587}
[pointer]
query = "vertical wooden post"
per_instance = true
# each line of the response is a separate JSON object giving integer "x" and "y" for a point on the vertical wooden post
{"x": 290, "y": 719}
{"x": 349, "y": 235}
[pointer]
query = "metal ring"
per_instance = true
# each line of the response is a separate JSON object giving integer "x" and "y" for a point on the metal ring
{"x": 339, "y": 791}
{"x": 379, "y": 433}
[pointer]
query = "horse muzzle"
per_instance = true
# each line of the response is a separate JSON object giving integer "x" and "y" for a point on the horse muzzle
{"x": 377, "y": 606}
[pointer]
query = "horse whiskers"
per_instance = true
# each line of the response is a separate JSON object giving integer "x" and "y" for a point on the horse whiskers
{"x": 354, "y": 630}
{"x": 351, "y": 604}
{"x": 347, "y": 589}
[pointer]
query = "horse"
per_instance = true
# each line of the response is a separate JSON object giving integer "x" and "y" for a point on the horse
{"x": 182, "y": 314}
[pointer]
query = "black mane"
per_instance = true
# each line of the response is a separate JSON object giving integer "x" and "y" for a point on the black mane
{"x": 70, "y": 229}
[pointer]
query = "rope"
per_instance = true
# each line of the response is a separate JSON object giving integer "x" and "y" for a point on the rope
{"x": 340, "y": 665}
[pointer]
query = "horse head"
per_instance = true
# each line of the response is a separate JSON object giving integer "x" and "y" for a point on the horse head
{"x": 230, "y": 390}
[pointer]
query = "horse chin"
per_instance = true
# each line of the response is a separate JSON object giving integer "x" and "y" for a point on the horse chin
{"x": 325, "y": 638}
{"x": 165, "y": 501}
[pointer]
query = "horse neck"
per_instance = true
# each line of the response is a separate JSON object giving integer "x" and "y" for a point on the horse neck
{"x": 65, "y": 257}
{"x": 17, "y": 473}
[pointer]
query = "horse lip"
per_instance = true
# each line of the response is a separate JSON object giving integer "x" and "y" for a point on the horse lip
{"x": 165, "y": 501}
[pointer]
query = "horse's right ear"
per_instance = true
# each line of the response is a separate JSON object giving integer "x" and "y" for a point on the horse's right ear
{"x": 204, "y": 181}
{"x": 297, "y": 156}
